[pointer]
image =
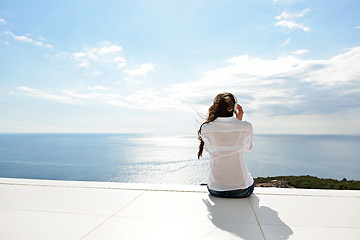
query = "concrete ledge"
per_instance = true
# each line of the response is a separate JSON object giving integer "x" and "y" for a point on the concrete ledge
{"x": 174, "y": 187}
{"x": 103, "y": 185}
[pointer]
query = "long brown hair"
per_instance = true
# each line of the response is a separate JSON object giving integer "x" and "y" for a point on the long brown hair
{"x": 223, "y": 106}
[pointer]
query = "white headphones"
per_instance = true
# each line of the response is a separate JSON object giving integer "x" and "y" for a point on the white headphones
{"x": 235, "y": 107}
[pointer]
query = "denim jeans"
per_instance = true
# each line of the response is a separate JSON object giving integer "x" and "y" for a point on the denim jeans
{"x": 238, "y": 193}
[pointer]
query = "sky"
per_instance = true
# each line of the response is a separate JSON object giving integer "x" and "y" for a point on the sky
{"x": 154, "y": 66}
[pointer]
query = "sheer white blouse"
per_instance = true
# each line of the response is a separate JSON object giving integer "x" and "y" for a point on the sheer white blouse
{"x": 227, "y": 139}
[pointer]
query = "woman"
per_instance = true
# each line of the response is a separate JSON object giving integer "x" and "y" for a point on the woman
{"x": 227, "y": 139}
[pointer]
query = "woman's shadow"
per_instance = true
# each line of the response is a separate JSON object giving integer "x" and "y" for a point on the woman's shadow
{"x": 234, "y": 215}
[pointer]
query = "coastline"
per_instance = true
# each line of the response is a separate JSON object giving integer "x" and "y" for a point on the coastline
{"x": 307, "y": 182}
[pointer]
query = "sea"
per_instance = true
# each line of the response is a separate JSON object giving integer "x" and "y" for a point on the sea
{"x": 169, "y": 159}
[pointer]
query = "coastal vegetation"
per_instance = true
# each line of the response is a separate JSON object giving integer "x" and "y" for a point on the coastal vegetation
{"x": 308, "y": 182}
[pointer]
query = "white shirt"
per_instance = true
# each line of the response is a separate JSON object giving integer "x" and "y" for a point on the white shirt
{"x": 227, "y": 139}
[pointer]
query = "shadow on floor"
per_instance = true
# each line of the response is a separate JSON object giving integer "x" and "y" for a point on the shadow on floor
{"x": 230, "y": 215}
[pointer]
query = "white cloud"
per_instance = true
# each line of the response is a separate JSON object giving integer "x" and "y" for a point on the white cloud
{"x": 300, "y": 52}
{"x": 284, "y": 1}
{"x": 286, "y": 42}
{"x": 118, "y": 103}
{"x": 291, "y": 25}
{"x": 2, "y": 21}
{"x": 105, "y": 53}
{"x": 109, "y": 49}
{"x": 337, "y": 71}
{"x": 78, "y": 96}
{"x": 98, "y": 87}
{"x": 287, "y": 85}
{"x": 28, "y": 40}
{"x": 32, "y": 92}
{"x": 286, "y": 15}
{"x": 95, "y": 73}
{"x": 106, "y": 59}
{"x": 285, "y": 19}
{"x": 154, "y": 100}
{"x": 141, "y": 69}
{"x": 93, "y": 95}
{"x": 357, "y": 27}
{"x": 120, "y": 62}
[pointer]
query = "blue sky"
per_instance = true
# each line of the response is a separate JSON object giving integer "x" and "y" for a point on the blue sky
{"x": 153, "y": 66}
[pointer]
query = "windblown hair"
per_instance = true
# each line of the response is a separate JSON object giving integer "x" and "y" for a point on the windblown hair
{"x": 223, "y": 106}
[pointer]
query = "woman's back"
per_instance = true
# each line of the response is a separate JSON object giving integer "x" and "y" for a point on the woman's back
{"x": 227, "y": 139}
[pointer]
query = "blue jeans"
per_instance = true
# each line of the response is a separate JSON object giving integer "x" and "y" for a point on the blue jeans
{"x": 238, "y": 193}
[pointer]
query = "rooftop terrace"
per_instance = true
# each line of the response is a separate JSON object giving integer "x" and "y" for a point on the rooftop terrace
{"x": 45, "y": 209}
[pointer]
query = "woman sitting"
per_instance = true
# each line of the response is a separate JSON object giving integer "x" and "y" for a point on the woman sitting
{"x": 227, "y": 138}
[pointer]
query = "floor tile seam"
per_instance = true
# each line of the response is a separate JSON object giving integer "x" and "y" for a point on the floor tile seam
{"x": 166, "y": 190}
{"x": 256, "y": 217}
{"x": 215, "y": 228}
{"x": 24, "y": 196}
{"x": 67, "y": 186}
{"x": 54, "y": 212}
{"x": 180, "y": 219}
{"x": 312, "y": 226}
{"x": 162, "y": 218}
{"x": 205, "y": 236}
{"x": 107, "y": 219}
{"x": 97, "y": 187}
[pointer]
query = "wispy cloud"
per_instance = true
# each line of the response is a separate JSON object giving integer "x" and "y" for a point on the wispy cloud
{"x": 92, "y": 94}
{"x": 286, "y": 42}
{"x": 141, "y": 69}
{"x": 27, "y": 39}
{"x": 107, "y": 57}
{"x": 291, "y": 25}
{"x": 286, "y": 15}
{"x": 283, "y": 1}
{"x": 108, "y": 48}
{"x": 106, "y": 52}
{"x": 300, "y": 52}
{"x": 32, "y": 92}
{"x": 285, "y": 19}
{"x": 357, "y": 27}
{"x": 156, "y": 99}
{"x": 2, "y": 21}
{"x": 98, "y": 87}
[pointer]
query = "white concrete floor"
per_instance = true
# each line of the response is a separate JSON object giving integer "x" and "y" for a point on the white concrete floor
{"x": 44, "y": 209}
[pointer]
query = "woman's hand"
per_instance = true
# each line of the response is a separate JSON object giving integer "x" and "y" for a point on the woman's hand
{"x": 239, "y": 113}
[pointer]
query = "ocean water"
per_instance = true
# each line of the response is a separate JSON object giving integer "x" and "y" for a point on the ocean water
{"x": 143, "y": 158}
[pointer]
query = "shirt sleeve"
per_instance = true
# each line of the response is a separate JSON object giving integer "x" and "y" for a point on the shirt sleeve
{"x": 203, "y": 136}
{"x": 249, "y": 139}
